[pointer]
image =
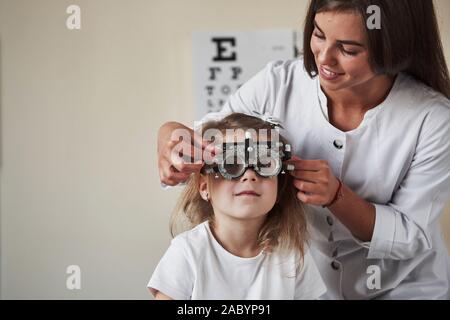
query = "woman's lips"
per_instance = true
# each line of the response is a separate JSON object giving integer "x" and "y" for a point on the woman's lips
{"x": 328, "y": 74}
{"x": 248, "y": 193}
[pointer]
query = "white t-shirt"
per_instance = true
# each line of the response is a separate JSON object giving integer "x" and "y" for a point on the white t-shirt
{"x": 196, "y": 266}
{"x": 398, "y": 159}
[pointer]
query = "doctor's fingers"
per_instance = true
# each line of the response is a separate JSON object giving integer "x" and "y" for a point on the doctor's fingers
{"x": 312, "y": 199}
{"x": 189, "y": 153}
{"x": 309, "y": 165}
{"x": 322, "y": 176}
{"x": 186, "y": 166}
{"x": 198, "y": 141}
{"x": 169, "y": 175}
{"x": 198, "y": 144}
{"x": 193, "y": 149}
{"x": 310, "y": 187}
{"x": 185, "y": 162}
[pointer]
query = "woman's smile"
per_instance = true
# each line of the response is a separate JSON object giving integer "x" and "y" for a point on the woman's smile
{"x": 326, "y": 74}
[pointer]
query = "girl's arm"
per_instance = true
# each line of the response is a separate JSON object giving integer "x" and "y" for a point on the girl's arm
{"x": 161, "y": 296}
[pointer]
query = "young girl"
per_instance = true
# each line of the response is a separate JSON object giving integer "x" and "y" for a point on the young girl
{"x": 247, "y": 235}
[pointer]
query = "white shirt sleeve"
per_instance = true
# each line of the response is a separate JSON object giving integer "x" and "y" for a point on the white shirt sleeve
{"x": 174, "y": 275}
{"x": 402, "y": 226}
{"x": 309, "y": 284}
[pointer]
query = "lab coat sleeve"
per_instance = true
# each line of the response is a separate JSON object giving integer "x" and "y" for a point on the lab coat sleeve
{"x": 402, "y": 227}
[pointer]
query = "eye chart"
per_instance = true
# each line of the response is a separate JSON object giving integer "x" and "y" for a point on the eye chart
{"x": 223, "y": 61}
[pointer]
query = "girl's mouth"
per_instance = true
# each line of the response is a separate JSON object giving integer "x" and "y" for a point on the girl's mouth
{"x": 248, "y": 193}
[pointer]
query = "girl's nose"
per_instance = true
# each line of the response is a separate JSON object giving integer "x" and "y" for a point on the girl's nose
{"x": 249, "y": 174}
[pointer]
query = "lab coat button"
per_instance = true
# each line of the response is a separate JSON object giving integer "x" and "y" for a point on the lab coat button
{"x": 330, "y": 220}
{"x": 338, "y": 144}
{"x": 335, "y": 265}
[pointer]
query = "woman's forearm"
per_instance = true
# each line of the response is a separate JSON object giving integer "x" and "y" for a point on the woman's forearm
{"x": 355, "y": 213}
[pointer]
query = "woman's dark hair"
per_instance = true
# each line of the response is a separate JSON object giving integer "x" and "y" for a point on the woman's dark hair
{"x": 408, "y": 41}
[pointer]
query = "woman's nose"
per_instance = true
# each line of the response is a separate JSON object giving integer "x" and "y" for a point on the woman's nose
{"x": 326, "y": 56}
{"x": 249, "y": 174}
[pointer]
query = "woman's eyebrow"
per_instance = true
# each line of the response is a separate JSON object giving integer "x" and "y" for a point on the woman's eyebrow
{"x": 347, "y": 42}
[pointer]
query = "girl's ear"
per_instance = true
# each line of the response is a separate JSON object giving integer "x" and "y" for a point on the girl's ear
{"x": 203, "y": 187}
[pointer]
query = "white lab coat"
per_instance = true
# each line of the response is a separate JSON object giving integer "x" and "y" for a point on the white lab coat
{"x": 398, "y": 159}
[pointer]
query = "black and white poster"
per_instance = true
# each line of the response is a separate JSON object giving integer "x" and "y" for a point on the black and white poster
{"x": 223, "y": 61}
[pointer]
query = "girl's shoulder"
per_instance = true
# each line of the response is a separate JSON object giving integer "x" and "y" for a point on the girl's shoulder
{"x": 292, "y": 257}
{"x": 192, "y": 241}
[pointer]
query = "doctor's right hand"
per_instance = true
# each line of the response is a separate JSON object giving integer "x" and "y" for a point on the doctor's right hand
{"x": 180, "y": 152}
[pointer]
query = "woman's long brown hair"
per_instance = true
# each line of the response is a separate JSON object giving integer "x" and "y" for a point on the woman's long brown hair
{"x": 408, "y": 41}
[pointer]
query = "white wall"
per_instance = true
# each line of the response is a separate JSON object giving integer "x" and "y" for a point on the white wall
{"x": 79, "y": 116}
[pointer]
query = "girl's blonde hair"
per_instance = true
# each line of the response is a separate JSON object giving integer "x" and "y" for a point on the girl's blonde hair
{"x": 285, "y": 226}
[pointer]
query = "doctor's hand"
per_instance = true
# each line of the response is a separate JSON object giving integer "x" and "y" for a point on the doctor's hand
{"x": 180, "y": 152}
{"x": 315, "y": 181}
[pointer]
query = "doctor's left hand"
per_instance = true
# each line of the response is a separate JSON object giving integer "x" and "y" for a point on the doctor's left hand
{"x": 315, "y": 181}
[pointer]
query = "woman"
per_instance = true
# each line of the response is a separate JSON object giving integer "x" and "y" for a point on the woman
{"x": 368, "y": 113}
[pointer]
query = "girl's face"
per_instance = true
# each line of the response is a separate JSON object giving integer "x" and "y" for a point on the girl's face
{"x": 339, "y": 44}
{"x": 248, "y": 197}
